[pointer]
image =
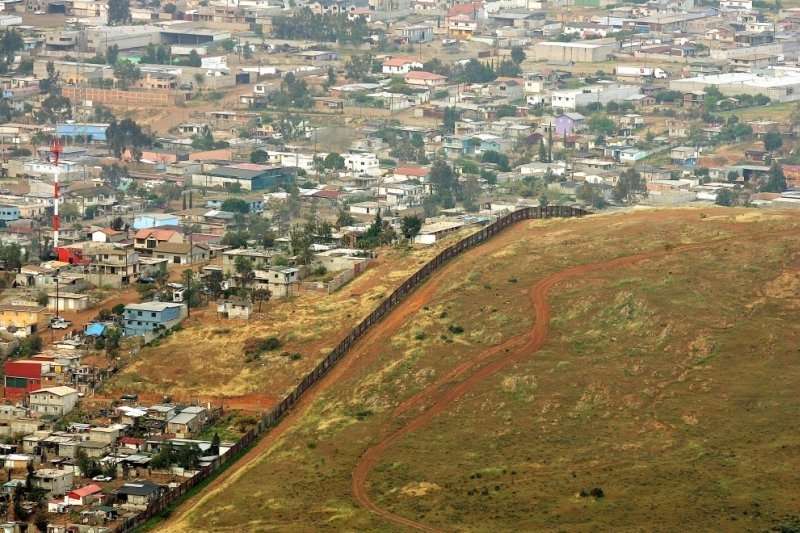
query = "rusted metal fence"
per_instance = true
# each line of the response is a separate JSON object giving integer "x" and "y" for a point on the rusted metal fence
{"x": 268, "y": 420}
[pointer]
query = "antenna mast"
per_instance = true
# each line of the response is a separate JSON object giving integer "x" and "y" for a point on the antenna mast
{"x": 55, "y": 150}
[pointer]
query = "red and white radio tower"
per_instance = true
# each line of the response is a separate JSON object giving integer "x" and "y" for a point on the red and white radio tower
{"x": 55, "y": 150}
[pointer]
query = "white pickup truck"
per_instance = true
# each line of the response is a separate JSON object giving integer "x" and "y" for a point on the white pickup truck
{"x": 59, "y": 323}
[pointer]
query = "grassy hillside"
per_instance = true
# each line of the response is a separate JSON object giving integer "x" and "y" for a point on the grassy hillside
{"x": 666, "y": 378}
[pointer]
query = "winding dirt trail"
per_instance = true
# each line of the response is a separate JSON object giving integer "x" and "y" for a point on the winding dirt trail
{"x": 369, "y": 347}
{"x": 529, "y": 343}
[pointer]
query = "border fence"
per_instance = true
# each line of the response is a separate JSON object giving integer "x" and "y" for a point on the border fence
{"x": 175, "y": 494}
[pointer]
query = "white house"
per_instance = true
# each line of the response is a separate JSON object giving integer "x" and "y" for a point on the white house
{"x": 364, "y": 163}
{"x": 736, "y": 5}
{"x": 400, "y": 65}
{"x": 56, "y": 401}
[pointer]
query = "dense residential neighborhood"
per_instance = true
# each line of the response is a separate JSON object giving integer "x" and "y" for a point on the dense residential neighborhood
{"x": 185, "y": 162}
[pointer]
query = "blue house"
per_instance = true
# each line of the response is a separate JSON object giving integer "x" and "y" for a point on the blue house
{"x": 9, "y": 213}
{"x": 139, "y": 319}
{"x": 458, "y": 145}
{"x": 154, "y": 220}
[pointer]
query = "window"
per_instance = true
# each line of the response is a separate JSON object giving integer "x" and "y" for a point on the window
{"x": 138, "y": 313}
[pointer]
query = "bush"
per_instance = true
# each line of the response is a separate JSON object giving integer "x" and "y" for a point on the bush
{"x": 118, "y": 309}
{"x": 320, "y": 271}
{"x": 421, "y": 336}
{"x": 456, "y": 329}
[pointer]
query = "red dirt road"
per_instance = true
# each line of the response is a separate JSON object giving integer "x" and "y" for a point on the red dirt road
{"x": 368, "y": 348}
{"x": 449, "y": 391}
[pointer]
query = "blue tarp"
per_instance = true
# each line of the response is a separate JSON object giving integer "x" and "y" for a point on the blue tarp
{"x": 95, "y": 330}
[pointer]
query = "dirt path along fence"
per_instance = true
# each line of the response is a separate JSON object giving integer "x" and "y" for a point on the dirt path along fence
{"x": 173, "y": 495}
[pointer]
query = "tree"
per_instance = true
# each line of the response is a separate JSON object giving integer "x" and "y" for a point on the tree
{"x": 244, "y": 270}
{"x": 543, "y": 153}
{"x": 215, "y": 442}
{"x": 126, "y": 72}
{"x": 126, "y": 135}
{"x": 170, "y": 8}
{"x": 451, "y": 115}
{"x": 517, "y": 54}
{"x": 194, "y": 59}
{"x": 772, "y": 141}
{"x": 331, "y": 78}
{"x": 117, "y": 224}
{"x": 260, "y": 296}
{"x": 630, "y": 186}
{"x": 119, "y": 12}
{"x": 591, "y": 194}
{"x": 724, "y": 198}
{"x": 112, "y": 55}
{"x": 344, "y": 219}
{"x": 259, "y": 156}
{"x": 410, "y": 226}
{"x": 445, "y": 183}
{"x": 235, "y": 205}
{"x": 600, "y": 125}
{"x": 334, "y": 161}
{"x": 501, "y": 160}
{"x": 776, "y": 181}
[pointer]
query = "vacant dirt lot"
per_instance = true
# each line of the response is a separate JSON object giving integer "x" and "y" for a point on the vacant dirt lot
{"x": 664, "y": 376}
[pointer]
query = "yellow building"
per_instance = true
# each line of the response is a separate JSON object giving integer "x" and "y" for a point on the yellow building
{"x": 21, "y": 317}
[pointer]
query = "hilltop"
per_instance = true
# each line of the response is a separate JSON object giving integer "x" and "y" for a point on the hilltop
{"x": 618, "y": 371}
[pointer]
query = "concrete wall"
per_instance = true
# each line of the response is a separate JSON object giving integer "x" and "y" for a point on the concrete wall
{"x": 115, "y": 96}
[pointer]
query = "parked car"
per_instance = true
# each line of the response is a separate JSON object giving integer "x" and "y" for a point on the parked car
{"x": 147, "y": 280}
{"x": 38, "y": 12}
{"x": 59, "y": 323}
{"x": 129, "y": 397}
{"x": 102, "y": 478}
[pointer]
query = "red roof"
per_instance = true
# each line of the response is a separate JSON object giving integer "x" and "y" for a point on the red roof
{"x": 399, "y": 61}
{"x": 132, "y": 440}
{"x": 464, "y": 9}
{"x": 422, "y": 75}
{"x": 159, "y": 234}
{"x": 88, "y": 490}
{"x": 420, "y": 172}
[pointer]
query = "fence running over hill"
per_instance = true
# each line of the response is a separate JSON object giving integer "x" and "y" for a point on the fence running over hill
{"x": 171, "y": 496}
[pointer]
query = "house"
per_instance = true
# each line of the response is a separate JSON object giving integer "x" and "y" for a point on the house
{"x": 113, "y": 266}
{"x": 362, "y": 163}
{"x": 138, "y": 494}
{"x": 55, "y": 401}
{"x": 430, "y": 233}
{"x": 457, "y": 146}
{"x": 181, "y": 253}
{"x": 106, "y": 435}
{"x": 508, "y": 88}
{"x": 258, "y": 259}
{"x": 153, "y": 220}
{"x": 694, "y": 98}
{"x": 108, "y": 235}
{"x": 149, "y": 317}
{"x": 401, "y": 194}
{"x": 8, "y": 213}
{"x": 461, "y": 27}
{"x": 54, "y": 482}
{"x": 100, "y": 197}
{"x": 23, "y": 376}
{"x": 247, "y": 176}
{"x": 67, "y": 301}
{"x": 280, "y": 281}
{"x": 425, "y": 79}
{"x": 146, "y": 240}
{"x": 84, "y": 495}
{"x": 234, "y": 308}
{"x": 188, "y": 422}
{"x": 419, "y": 33}
{"x": 684, "y": 155}
{"x": 24, "y": 318}
{"x": 400, "y": 65}
{"x": 569, "y": 122}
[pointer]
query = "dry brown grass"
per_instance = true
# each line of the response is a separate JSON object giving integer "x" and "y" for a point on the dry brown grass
{"x": 670, "y": 384}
